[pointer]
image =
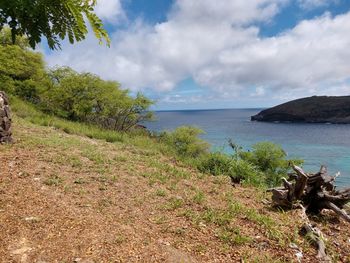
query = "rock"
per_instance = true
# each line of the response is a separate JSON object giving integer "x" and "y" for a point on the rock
{"x": 20, "y": 250}
{"x": 163, "y": 242}
{"x": 175, "y": 255}
{"x": 201, "y": 224}
{"x": 316, "y": 109}
{"x": 32, "y": 219}
{"x": 5, "y": 119}
{"x": 299, "y": 256}
{"x": 294, "y": 246}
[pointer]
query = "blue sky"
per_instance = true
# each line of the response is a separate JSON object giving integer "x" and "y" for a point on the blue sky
{"x": 189, "y": 54}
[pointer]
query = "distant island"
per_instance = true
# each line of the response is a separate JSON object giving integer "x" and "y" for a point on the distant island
{"x": 315, "y": 109}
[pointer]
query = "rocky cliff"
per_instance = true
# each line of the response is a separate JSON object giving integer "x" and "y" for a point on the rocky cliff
{"x": 316, "y": 109}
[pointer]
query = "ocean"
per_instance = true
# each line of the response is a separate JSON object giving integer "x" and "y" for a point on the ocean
{"x": 316, "y": 144}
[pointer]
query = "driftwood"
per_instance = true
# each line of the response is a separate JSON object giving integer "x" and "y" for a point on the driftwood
{"x": 314, "y": 236}
{"x": 5, "y": 119}
{"x": 312, "y": 193}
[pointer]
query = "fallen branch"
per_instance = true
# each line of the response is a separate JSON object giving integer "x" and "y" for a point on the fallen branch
{"x": 315, "y": 237}
{"x": 312, "y": 193}
{"x": 338, "y": 211}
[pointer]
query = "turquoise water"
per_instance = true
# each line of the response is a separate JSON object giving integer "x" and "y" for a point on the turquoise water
{"x": 317, "y": 144}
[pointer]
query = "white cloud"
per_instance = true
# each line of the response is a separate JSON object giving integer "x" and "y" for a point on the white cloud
{"x": 110, "y": 10}
{"x": 311, "y": 4}
{"x": 259, "y": 92}
{"x": 216, "y": 44}
{"x": 238, "y": 12}
{"x": 310, "y": 57}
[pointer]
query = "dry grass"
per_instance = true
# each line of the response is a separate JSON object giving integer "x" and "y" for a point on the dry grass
{"x": 65, "y": 198}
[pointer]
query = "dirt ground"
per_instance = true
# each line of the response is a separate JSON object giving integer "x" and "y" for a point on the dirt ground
{"x": 65, "y": 198}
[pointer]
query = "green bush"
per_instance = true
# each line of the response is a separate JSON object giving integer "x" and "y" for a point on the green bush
{"x": 22, "y": 72}
{"x": 266, "y": 155}
{"x": 186, "y": 142}
{"x": 270, "y": 159}
{"x": 246, "y": 173}
{"x": 215, "y": 163}
{"x": 239, "y": 170}
{"x": 264, "y": 165}
{"x": 29, "y": 112}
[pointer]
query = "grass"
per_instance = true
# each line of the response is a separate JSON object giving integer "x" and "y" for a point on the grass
{"x": 143, "y": 149}
{"x": 233, "y": 236}
{"x": 199, "y": 197}
{"x": 200, "y": 202}
{"x": 173, "y": 204}
{"x": 154, "y": 177}
{"x": 216, "y": 216}
{"x": 53, "y": 180}
{"x": 161, "y": 192}
{"x": 159, "y": 220}
{"x": 80, "y": 181}
{"x": 30, "y": 113}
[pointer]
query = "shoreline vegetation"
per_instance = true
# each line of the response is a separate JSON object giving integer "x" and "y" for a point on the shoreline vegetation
{"x": 81, "y": 160}
{"x": 85, "y": 104}
{"x": 262, "y": 166}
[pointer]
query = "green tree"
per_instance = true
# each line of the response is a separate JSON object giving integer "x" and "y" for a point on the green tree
{"x": 71, "y": 95}
{"x": 22, "y": 72}
{"x": 6, "y": 39}
{"x": 136, "y": 112}
{"x": 53, "y": 19}
{"x": 86, "y": 97}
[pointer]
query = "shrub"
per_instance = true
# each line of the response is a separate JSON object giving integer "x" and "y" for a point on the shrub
{"x": 215, "y": 163}
{"x": 266, "y": 155}
{"x": 239, "y": 170}
{"x": 186, "y": 142}
{"x": 270, "y": 159}
{"x": 247, "y": 173}
{"x": 264, "y": 165}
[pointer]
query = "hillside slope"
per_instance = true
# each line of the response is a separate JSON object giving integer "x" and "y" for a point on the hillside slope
{"x": 66, "y": 198}
{"x": 316, "y": 109}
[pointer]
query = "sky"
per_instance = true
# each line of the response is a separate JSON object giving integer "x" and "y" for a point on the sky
{"x": 205, "y": 54}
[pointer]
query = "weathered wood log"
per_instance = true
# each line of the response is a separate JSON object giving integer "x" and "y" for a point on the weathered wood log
{"x": 314, "y": 191}
{"x": 5, "y": 119}
{"x": 280, "y": 198}
{"x": 301, "y": 182}
{"x": 314, "y": 236}
{"x": 337, "y": 210}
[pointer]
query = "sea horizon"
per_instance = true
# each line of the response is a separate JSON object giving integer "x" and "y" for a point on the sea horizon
{"x": 213, "y": 109}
